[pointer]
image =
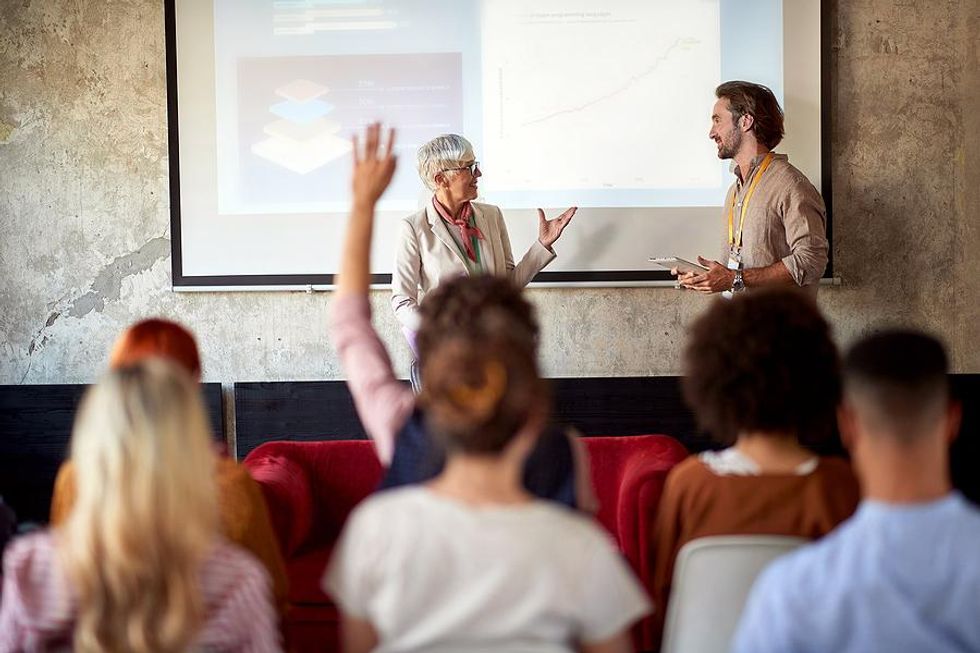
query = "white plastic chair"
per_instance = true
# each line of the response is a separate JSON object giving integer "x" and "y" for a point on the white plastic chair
{"x": 712, "y": 579}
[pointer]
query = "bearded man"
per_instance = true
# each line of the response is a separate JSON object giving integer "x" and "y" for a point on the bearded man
{"x": 776, "y": 220}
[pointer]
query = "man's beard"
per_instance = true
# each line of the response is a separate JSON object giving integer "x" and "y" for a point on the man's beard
{"x": 731, "y": 149}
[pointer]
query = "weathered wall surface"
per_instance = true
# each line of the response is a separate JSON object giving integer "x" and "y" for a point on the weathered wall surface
{"x": 84, "y": 245}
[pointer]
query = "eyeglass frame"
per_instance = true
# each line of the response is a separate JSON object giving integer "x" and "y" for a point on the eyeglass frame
{"x": 473, "y": 168}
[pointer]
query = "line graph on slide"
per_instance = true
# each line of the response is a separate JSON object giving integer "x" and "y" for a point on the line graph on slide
{"x": 628, "y": 84}
{"x": 591, "y": 98}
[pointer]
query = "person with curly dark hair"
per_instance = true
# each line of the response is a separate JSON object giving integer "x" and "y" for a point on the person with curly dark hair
{"x": 777, "y": 222}
{"x": 762, "y": 376}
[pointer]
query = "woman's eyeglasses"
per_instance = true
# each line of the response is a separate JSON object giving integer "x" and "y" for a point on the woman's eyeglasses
{"x": 472, "y": 167}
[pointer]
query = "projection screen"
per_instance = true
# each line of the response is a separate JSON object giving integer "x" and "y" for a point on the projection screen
{"x": 600, "y": 104}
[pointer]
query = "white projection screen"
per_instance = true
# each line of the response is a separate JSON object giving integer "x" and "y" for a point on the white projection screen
{"x": 600, "y": 104}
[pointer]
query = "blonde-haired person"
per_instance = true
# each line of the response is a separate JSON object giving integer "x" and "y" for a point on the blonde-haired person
{"x": 470, "y": 560}
{"x": 138, "y": 565}
{"x": 242, "y": 511}
{"x": 453, "y": 235}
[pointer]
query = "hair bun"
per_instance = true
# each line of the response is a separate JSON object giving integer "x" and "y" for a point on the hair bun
{"x": 481, "y": 401}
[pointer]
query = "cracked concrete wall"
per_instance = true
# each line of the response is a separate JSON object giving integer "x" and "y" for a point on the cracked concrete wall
{"x": 84, "y": 208}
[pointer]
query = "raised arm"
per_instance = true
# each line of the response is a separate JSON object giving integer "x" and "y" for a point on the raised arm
{"x": 383, "y": 403}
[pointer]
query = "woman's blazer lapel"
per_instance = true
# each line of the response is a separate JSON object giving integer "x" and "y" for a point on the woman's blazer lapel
{"x": 487, "y": 225}
{"x": 441, "y": 231}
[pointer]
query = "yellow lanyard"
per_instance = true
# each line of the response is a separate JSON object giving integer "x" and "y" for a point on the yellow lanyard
{"x": 732, "y": 243}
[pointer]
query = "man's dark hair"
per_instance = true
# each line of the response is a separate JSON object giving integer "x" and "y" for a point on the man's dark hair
{"x": 902, "y": 377}
{"x": 756, "y": 100}
{"x": 763, "y": 361}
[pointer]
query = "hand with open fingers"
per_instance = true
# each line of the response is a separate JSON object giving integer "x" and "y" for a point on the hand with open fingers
{"x": 716, "y": 279}
{"x": 374, "y": 164}
{"x": 550, "y": 230}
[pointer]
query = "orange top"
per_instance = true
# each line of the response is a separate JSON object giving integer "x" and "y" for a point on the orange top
{"x": 242, "y": 511}
{"x": 697, "y": 502}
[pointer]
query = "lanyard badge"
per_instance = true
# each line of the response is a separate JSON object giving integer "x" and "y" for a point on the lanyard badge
{"x": 735, "y": 239}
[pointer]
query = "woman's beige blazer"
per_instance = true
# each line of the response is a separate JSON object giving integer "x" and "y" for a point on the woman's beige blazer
{"x": 427, "y": 254}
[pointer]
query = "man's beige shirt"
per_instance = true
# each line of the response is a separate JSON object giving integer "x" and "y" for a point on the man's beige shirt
{"x": 785, "y": 221}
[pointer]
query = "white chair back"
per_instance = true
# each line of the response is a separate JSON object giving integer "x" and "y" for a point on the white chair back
{"x": 712, "y": 579}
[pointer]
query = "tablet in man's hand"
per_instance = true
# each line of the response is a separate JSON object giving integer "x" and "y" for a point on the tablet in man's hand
{"x": 679, "y": 264}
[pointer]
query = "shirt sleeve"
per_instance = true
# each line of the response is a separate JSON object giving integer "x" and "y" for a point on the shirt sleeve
{"x": 766, "y": 625}
{"x": 383, "y": 402}
{"x": 614, "y": 599}
{"x": 247, "y": 615}
{"x": 35, "y": 597}
{"x": 805, "y": 223}
{"x": 534, "y": 260}
{"x": 405, "y": 277}
{"x": 351, "y": 577}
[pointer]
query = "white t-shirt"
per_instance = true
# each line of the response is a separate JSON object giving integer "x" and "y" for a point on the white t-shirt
{"x": 431, "y": 573}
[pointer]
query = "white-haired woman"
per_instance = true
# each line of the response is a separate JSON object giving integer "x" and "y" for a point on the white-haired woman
{"x": 138, "y": 565}
{"x": 453, "y": 235}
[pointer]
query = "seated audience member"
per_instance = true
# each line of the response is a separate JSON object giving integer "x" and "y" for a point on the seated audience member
{"x": 556, "y": 469}
{"x": 469, "y": 561}
{"x": 242, "y": 510}
{"x": 138, "y": 564}
{"x": 903, "y": 573}
{"x": 762, "y": 372}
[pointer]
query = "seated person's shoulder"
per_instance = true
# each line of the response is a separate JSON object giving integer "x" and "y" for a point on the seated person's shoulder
{"x": 29, "y": 555}
{"x": 690, "y": 471}
{"x": 837, "y": 473}
{"x": 33, "y": 580}
{"x": 230, "y": 569}
{"x": 969, "y": 523}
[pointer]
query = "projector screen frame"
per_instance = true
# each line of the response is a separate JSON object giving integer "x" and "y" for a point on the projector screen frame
{"x": 593, "y": 278}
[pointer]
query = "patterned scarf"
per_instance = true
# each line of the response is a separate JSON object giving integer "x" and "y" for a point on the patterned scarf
{"x": 466, "y": 232}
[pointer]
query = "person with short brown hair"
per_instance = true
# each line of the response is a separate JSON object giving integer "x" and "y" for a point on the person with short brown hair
{"x": 776, "y": 219}
{"x": 761, "y": 374}
{"x": 902, "y": 575}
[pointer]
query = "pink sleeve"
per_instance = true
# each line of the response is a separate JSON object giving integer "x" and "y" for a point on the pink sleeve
{"x": 383, "y": 402}
{"x": 36, "y": 605}
{"x": 11, "y": 630}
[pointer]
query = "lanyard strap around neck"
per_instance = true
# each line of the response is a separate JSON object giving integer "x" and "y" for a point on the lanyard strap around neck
{"x": 735, "y": 240}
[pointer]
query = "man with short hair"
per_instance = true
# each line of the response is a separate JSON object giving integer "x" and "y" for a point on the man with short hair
{"x": 903, "y": 573}
{"x": 776, "y": 219}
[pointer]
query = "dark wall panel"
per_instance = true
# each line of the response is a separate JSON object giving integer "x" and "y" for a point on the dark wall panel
{"x": 35, "y": 428}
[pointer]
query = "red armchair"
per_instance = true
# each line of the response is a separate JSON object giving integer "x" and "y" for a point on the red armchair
{"x": 311, "y": 487}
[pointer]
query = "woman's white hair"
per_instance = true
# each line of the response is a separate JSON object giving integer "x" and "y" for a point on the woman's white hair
{"x": 441, "y": 153}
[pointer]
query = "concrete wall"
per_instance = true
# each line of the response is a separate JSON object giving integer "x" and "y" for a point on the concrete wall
{"x": 85, "y": 250}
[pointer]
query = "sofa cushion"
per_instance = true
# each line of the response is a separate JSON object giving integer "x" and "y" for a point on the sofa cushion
{"x": 287, "y": 491}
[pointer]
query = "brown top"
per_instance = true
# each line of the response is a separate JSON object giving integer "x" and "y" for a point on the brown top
{"x": 785, "y": 221}
{"x": 699, "y": 503}
{"x": 242, "y": 511}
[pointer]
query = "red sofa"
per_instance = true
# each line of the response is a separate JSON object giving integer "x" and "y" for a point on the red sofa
{"x": 311, "y": 487}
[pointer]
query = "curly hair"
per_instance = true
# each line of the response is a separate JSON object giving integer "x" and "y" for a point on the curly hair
{"x": 758, "y": 101}
{"x": 763, "y": 361}
{"x": 478, "y": 351}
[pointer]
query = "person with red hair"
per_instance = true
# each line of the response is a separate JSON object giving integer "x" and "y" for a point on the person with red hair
{"x": 157, "y": 337}
{"x": 243, "y": 513}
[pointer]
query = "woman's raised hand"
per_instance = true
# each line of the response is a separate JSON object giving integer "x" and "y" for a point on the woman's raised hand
{"x": 374, "y": 165}
{"x": 550, "y": 230}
